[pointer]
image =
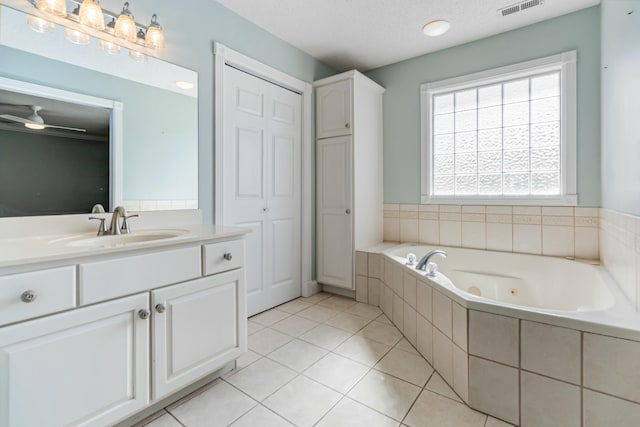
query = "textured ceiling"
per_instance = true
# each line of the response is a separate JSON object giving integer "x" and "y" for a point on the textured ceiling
{"x": 366, "y": 34}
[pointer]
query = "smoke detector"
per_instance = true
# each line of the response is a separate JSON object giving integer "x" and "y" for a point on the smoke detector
{"x": 519, "y": 7}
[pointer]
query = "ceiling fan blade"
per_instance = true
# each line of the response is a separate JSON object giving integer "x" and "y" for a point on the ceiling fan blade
{"x": 64, "y": 128}
{"x": 15, "y": 118}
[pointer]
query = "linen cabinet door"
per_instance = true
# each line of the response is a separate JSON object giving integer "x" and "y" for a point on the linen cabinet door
{"x": 334, "y": 114}
{"x": 87, "y": 367}
{"x": 197, "y": 328}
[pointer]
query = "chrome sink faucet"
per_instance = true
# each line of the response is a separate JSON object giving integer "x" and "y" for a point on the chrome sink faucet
{"x": 425, "y": 265}
{"x": 115, "y": 228}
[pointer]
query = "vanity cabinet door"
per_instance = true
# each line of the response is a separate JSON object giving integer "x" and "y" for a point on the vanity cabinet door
{"x": 85, "y": 367}
{"x": 333, "y": 109}
{"x": 198, "y": 327}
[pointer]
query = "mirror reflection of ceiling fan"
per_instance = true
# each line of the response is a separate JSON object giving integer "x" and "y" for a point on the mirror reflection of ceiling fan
{"x": 35, "y": 121}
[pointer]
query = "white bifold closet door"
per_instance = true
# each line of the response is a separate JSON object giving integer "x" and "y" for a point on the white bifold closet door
{"x": 262, "y": 173}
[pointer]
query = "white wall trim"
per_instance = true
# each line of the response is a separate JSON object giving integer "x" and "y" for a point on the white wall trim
{"x": 116, "y": 122}
{"x": 225, "y": 56}
{"x": 565, "y": 63}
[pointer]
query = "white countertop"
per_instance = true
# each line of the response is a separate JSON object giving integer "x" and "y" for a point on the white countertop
{"x": 27, "y": 250}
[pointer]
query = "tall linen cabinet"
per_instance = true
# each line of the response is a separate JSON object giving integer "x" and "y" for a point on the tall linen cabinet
{"x": 349, "y": 174}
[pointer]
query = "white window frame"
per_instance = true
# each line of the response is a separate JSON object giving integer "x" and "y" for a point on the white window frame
{"x": 565, "y": 63}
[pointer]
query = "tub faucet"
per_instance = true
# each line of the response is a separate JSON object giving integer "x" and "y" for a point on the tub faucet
{"x": 430, "y": 268}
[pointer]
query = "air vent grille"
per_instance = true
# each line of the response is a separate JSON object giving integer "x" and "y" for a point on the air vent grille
{"x": 519, "y": 7}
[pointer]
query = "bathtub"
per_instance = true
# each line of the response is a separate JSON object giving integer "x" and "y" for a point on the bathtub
{"x": 570, "y": 292}
{"x": 506, "y": 330}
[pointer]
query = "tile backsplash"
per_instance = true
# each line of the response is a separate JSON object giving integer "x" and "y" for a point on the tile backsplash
{"x": 620, "y": 251}
{"x": 541, "y": 230}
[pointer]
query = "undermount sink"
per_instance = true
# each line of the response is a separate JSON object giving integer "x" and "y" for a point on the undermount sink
{"x": 93, "y": 241}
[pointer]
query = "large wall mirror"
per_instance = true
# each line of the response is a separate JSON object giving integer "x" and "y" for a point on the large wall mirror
{"x": 126, "y": 133}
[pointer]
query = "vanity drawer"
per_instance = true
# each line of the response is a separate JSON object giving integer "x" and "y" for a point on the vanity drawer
{"x": 103, "y": 280}
{"x": 223, "y": 256}
{"x": 27, "y": 295}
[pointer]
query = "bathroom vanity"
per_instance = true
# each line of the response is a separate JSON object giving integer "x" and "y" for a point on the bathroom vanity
{"x": 93, "y": 331}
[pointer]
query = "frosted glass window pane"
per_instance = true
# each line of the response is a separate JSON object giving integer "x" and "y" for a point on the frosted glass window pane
{"x": 516, "y": 183}
{"x": 545, "y": 183}
{"x": 443, "y": 104}
{"x": 466, "y": 163}
{"x": 490, "y": 184}
{"x": 489, "y": 161}
{"x": 516, "y": 91}
{"x": 490, "y": 96}
{"x": 516, "y": 114}
{"x": 443, "y": 184}
{"x": 545, "y": 159}
{"x": 544, "y": 134}
{"x": 443, "y": 165}
{"x": 443, "y": 144}
{"x": 515, "y": 160}
{"x": 545, "y": 110}
{"x": 466, "y": 120}
{"x": 545, "y": 86}
{"x": 466, "y": 141}
{"x": 466, "y": 100}
{"x": 442, "y": 123}
{"x": 490, "y": 117}
{"x": 516, "y": 137}
{"x": 490, "y": 139}
{"x": 466, "y": 184}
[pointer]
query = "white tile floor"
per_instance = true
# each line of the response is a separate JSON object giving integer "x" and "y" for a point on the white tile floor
{"x": 325, "y": 361}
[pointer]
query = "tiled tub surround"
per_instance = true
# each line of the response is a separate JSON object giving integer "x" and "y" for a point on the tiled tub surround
{"x": 620, "y": 251}
{"x": 556, "y": 231}
{"x": 512, "y": 364}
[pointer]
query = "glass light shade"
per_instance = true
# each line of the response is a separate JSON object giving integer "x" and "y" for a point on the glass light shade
{"x": 436, "y": 28}
{"x": 91, "y": 14}
{"x": 40, "y": 25}
{"x": 155, "y": 36}
{"x": 137, "y": 56}
{"x": 77, "y": 37}
{"x": 125, "y": 25}
{"x": 54, "y": 7}
{"x": 34, "y": 126}
{"x": 110, "y": 48}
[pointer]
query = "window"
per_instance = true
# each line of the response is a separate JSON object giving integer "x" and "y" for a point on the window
{"x": 502, "y": 136}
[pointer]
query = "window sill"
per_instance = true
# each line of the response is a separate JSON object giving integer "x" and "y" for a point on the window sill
{"x": 563, "y": 200}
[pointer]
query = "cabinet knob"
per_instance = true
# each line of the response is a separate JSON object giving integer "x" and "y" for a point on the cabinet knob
{"x": 227, "y": 256}
{"x": 348, "y": 211}
{"x": 143, "y": 313}
{"x": 29, "y": 296}
{"x": 161, "y": 308}
{"x": 347, "y": 125}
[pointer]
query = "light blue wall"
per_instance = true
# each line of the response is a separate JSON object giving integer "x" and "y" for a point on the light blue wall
{"x": 621, "y": 105}
{"x": 579, "y": 31}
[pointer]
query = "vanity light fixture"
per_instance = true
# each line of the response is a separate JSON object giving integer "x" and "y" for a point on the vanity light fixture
{"x": 54, "y": 7}
{"x": 125, "y": 27}
{"x": 138, "y": 56}
{"x": 40, "y": 25}
{"x": 436, "y": 28}
{"x": 91, "y": 14}
{"x": 155, "y": 36}
{"x": 182, "y": 84}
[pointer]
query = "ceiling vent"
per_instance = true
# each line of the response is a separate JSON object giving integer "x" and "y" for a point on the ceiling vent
{"x": 519, "y": 7}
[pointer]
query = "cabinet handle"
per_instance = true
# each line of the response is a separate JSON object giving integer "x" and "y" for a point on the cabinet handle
{"x": 28, "y": 296}
{"x": 348, "y": 211}
{"x": 160, "y": 308}
{"x": 143, "y": 313}
{"x": 227, "y": 256}
{"x": 347, "y": 125}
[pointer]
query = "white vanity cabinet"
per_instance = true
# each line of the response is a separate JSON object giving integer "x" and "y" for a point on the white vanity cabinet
{"x": 196, "y": 329}
{"x": 349, "y": 174}
{"x": 88, "y": 366}
{"x": 138, "y": 327}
